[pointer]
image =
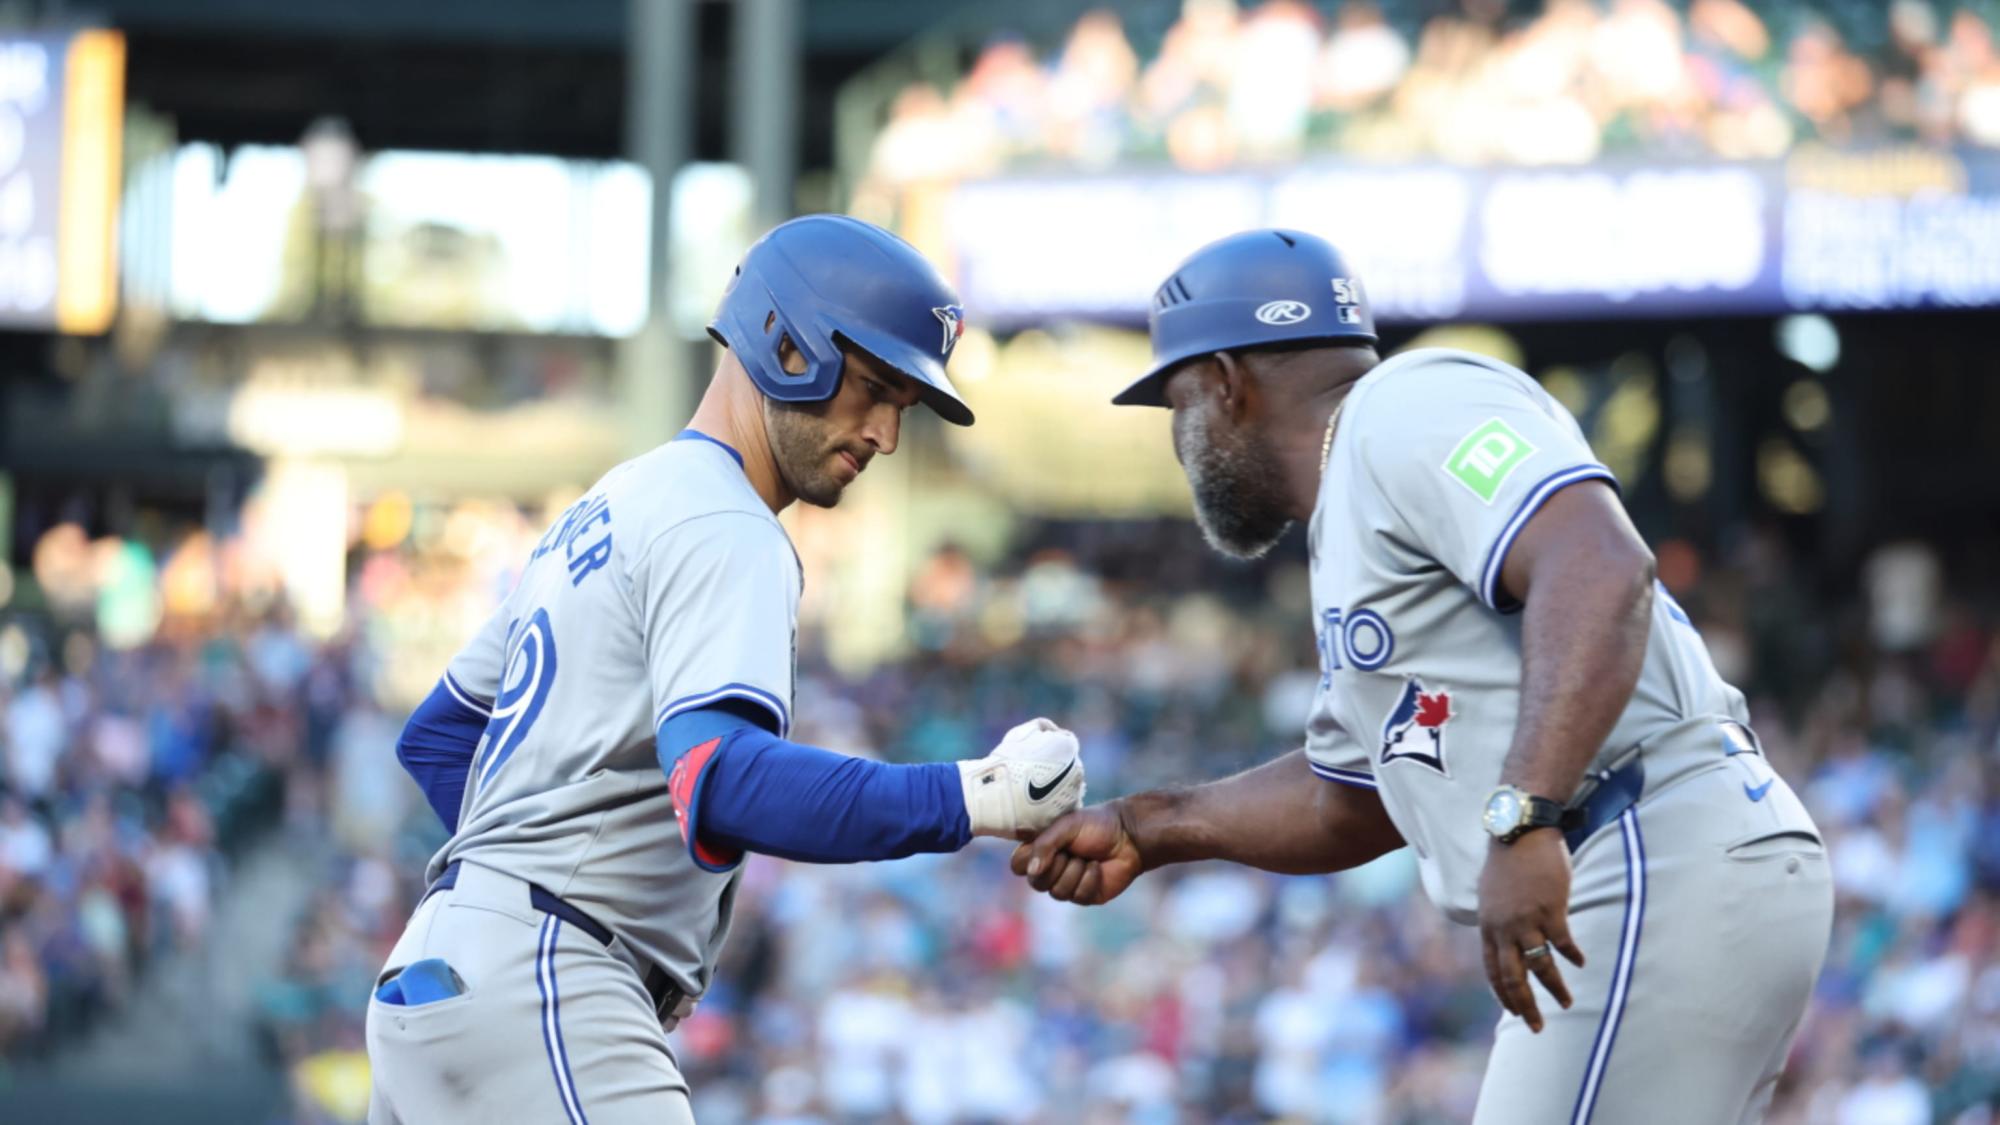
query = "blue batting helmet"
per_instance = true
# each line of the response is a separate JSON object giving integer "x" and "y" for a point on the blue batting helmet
{"x": 825, "y": 278}
{"x": 1253, "y": 289}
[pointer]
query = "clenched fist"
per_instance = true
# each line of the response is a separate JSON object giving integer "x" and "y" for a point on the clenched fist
{"x": 1034, "y": 776}
{"x": 1088, "y": 857}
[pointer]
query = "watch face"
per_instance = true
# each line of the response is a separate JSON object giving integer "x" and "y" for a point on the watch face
{"x": 1503, "y": 812}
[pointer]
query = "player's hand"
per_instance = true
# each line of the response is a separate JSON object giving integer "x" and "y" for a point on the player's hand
{"x": 1524, "y": 903}
{"x": 1088, "y": 857}
{"x": 1034, "y": 776}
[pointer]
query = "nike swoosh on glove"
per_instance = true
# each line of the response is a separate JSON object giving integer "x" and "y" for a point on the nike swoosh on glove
{"x": 1034, "y": 776}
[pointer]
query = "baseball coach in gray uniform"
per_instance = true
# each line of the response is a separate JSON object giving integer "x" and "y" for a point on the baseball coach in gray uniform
{"x": 1504, "y": 688}
{"x": 616, "y": 736}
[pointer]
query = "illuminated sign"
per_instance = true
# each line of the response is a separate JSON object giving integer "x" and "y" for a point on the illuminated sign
{"x": 1821, "y": 230}
{"x": 62, "y": 103}
{"x": 440, "y": 240}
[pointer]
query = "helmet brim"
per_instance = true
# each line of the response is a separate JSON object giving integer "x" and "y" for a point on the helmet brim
{"x": 1150, "y": 389}
{"x": 934, "y": 389}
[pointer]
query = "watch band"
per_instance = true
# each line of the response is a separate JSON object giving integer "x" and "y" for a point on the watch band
{"x": 1536, "y": 812}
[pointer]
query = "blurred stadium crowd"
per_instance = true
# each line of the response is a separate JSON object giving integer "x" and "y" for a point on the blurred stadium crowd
{"x": 1283, "y": 79}
{"x": 936, "y": 989}
{"x": 166, "y": 720}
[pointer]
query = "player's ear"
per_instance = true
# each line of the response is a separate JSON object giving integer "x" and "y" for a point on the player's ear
{"x": 1235, "y": 384}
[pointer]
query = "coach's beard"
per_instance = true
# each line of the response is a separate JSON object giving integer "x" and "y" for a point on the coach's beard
{"x": 1235, "y": 484}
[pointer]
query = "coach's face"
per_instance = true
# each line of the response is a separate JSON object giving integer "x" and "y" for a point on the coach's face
{"x": 821, "y": 447}
{"x": 1231, "y": 469}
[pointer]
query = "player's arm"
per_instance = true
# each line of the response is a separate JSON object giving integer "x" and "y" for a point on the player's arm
{"x": 1585, "y": 579}
{"x": 438, "y": 743}
{"x": 1279, "y": 816}
{"x": 739, "y": 787}
{"x": 717, "y": 600}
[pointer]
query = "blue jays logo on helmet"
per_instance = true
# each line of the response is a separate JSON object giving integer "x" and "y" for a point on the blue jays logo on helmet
{"x": 824, "y": 280}
{"x": 953, "y": 319}
{"x": 1414, "y": 730}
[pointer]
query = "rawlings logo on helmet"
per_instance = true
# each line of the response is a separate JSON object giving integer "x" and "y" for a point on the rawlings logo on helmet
{"x": 953, "y": 319}
{"x": 1283, "y": 312}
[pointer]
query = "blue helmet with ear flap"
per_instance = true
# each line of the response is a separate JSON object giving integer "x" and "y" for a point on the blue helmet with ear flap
{"x": 1252, "y": 289}
{"x": 821, "y": 279}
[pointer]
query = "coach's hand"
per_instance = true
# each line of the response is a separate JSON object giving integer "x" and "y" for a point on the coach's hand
{"x": 1034, "y": 776}
{"x": 1087, "y": 857}
{"x": 1524, "y": 906}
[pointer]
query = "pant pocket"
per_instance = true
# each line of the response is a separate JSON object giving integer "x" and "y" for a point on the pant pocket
{"x": 1772, "y": 846}
{"x": 420, "y": 983}
{"x": 437, "y": 1021}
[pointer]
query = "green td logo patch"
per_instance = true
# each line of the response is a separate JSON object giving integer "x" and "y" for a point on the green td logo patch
{"x": 1487, "y": 457}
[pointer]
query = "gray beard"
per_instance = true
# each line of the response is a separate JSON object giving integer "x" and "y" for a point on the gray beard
{"x": 1236, "y": 501}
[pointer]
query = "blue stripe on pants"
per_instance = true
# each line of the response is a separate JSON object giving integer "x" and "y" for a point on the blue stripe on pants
{"x": 1621, "y": 974}
{"x": 552, "y": 1040}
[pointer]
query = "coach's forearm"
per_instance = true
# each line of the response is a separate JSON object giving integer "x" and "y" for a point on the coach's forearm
{"x": 1279, "y": 816}
{"x": 1583, "y": 644}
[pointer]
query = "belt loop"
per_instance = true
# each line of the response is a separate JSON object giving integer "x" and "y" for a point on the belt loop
{"x": 446, "y": 880}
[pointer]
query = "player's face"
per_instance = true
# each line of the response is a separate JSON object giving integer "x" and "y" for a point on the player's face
{"x": 1231, "y": 470}
{"x": 821, "y": 447}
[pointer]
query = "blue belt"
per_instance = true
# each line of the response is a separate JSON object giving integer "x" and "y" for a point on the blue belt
{"x": 1619, "y": 790}
{"x": 666, "y": 995}
{"x": 543, "y": 900}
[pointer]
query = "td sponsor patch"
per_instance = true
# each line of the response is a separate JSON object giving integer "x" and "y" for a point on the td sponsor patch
{"x": 1487, "y": 457}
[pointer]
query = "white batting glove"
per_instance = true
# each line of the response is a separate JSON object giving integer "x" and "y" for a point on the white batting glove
{"x": 1034, "y": 776}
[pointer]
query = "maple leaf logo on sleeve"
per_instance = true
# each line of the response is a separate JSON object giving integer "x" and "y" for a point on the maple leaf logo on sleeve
{"x": 1414, "y": 730}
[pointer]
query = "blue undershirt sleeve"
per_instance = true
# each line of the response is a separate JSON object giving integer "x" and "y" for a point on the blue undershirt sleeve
{"x": 436, "y": 750}
{"x": 738, "y": 787}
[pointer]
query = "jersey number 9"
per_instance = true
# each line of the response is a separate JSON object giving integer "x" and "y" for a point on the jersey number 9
{"x": 525, "y": 681}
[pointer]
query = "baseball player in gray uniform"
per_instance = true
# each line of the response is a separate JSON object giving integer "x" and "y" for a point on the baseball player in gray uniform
{"x": 1504, "y": 688}
{"x": 616, "y": 737}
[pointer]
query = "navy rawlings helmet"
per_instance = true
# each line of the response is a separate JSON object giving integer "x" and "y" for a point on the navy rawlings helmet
{"x": 1253, "y": 289}
{"x": 820, "y": 279}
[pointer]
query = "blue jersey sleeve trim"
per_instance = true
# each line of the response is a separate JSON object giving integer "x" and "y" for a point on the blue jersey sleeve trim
{"x": 471, "y": 701}
{"x": 1356, "y": 778}
{"x": 747, "y": 692}
{"x": 697, "y": 435}
{"x": 436, "y": 749}
{"x": 1496, "y": 556}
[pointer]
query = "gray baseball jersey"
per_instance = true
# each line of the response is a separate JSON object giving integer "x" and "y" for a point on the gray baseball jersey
{"x": 1441, "y": 458}
{"x": 669, "y": 586}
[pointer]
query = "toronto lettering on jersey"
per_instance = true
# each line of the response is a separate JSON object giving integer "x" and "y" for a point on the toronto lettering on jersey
{"x": 588, "y": 513}
{"x": 1359, "y": 638}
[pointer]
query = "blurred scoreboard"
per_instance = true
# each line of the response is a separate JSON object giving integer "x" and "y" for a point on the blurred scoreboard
{"x": 62, "y": 103}
{"x": 1900, "y": 228}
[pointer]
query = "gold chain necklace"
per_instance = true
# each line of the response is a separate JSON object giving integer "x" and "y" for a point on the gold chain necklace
{"x": 1326, "y": 445}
